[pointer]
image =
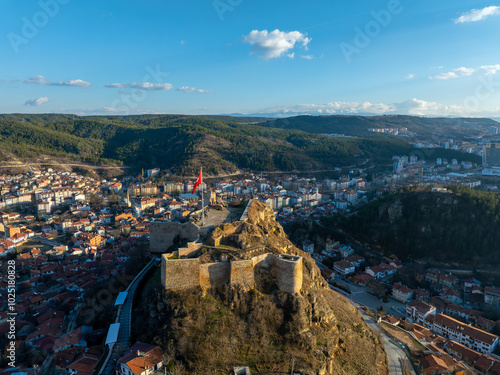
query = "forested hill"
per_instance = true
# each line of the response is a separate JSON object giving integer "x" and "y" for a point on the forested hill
{"x": 462, "y": 225}
{"x": 359, "y": 125}
{"x": 186, "y": 143}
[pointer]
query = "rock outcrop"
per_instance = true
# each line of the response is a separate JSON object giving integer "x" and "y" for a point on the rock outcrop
{"x": 211, "y": 331}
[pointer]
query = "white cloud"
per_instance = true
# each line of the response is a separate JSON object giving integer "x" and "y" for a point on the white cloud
{"x": 307, "y": 57}
{"x": 414, "y": 106}
{"x": 462, "y": 72}
{"x": 465, "y": 71}
{"x": 410, "y": 76}
{"x": 478, "y": 14}
{"x": 38, "y": 80}
{"x": 459, "y": 72}
{"x": 491, "y": 69}
{"x": 142, "y": 86}
{"x": 271, "y": 45}
{"x": 73, "y": 82}
{"x": 448, "y": 75}
{"x": 36, "y": 102}
{"x": 420, "y": 107}
{"x": 192, "y": 89}
{"x": 41, "y": 80}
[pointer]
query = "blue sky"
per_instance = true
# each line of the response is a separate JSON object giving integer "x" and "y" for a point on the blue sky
{"x": 417, "y": 57}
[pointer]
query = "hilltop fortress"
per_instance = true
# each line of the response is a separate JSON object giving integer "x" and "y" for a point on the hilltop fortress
{"x": 253, "y": 249}
{"x": 180, "y": 274}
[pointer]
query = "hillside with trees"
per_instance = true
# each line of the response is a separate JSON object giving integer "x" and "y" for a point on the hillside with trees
{"x": 460, "y": 226}
{"x": 186, "y": 143}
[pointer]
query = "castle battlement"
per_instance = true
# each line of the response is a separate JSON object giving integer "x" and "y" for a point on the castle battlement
{"x": 181, "y": 274}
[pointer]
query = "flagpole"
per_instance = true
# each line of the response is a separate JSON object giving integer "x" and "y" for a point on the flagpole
{"x": 202, "y": 200}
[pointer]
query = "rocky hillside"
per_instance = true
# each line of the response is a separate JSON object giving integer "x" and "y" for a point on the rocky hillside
{"x": 211, "y": 331}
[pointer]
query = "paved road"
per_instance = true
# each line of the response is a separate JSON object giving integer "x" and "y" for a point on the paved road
{"x": 123, "y": 341}
{"x": 395, "y": 354}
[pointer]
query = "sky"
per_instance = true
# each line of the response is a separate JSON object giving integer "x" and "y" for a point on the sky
{"x": 418, "y": 57}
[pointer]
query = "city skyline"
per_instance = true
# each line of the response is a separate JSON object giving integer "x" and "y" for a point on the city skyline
{"x": 236, "y": 56}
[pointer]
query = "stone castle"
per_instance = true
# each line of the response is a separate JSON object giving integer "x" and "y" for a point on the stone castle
{"x": 182, "y": 274}
{"x": 272, "y": 260}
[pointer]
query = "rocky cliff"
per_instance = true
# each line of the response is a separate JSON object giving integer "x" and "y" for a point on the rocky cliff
{"x": 209, "y": 332}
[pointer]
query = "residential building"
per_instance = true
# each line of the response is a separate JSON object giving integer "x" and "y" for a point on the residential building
{"x": 474, "y": 338}
{"x": 401, "y": 293}
{"x": 355, "y": 260}
{"x": 491, "y": 296}
{"x": 140, "y": 359}
{"x": 432, "y": 275}
{"x": 376, "y": 272}
{"x": 308, "y": 246}
{"x": 343, "y": 267}
{"x": 419, "y": 310}
{"x": 462, "y": 312}
{"x": 421, "y": 295}
{"x": 447, "y": 279}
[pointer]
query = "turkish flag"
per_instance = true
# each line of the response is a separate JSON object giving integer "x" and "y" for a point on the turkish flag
{"x": 197, "y": 182}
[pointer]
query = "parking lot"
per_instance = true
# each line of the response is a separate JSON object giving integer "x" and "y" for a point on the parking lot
{"x": 361, "y": 295}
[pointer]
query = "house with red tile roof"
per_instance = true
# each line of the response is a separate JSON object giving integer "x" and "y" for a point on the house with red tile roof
{"x": 140, "y": 359}
{"x": 419, "y": 310}
{"x": 73, "y": 339}
{"x": 401, "y": 293}
{"x": 343, "y": 267}
{"x": 474, "y": 338}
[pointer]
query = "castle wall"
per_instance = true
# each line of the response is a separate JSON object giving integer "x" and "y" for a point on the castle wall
{"x": 288, "y": 274}
{"x": 214, "y": 275}
{"x": 187, "y": 251}
{"x": 163, "y": 233}
{"x": 262, "y": 260}
{"x": 242, "y": 273}
{"x": 180, "y": 274}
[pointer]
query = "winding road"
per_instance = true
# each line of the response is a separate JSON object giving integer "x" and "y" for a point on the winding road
{"x": 395, "y": 354}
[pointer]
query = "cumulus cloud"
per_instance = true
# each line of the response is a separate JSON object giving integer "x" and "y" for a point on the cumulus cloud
{"x": 459, "y": 72}
{"x": 192, "y": 89}
{"x": 420, "y": 107}
{"x": 491, "y": 69}
{"x": 36, "y": 102}
{"x": 410, "y": 76}
{"x": 142, "y": 86}
{"x": 307, "y": 57}
{"x": 41, "y": 80}
{"x": 478, "y": 14}
{"x": 274, "y": 44}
